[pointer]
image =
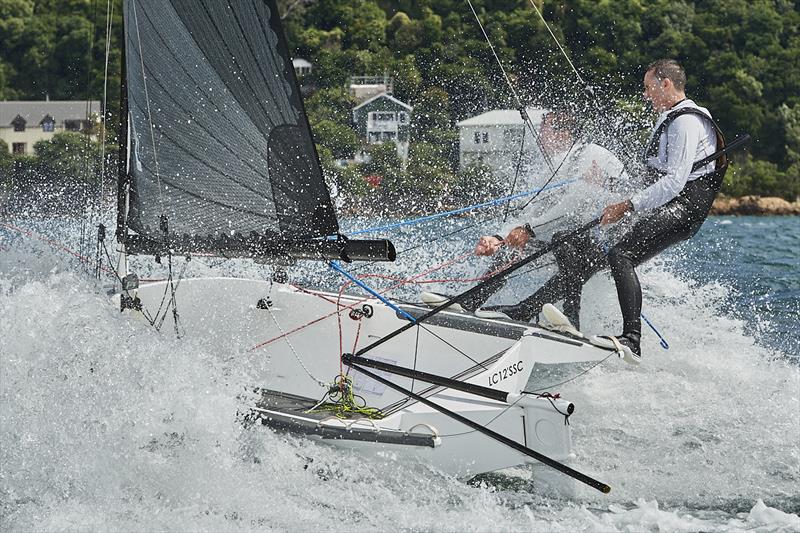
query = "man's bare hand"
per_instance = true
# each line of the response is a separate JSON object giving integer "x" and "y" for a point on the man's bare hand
{"x": 614, "y": 212}
{"x": 488, "y": 245}
{"x": 518, "y": 237}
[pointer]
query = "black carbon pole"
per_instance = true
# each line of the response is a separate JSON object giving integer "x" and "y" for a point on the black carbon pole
{"x": 561, "y": 467}
{"x": 491, "y": 279}
{"x": 477, "y": 390}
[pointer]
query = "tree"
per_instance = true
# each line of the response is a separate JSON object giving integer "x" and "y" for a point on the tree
{"x": 342, "y": 141}
{"x": 475, "y": 184}
{"x": 428, "y": 175}
{"x": 68, "y": 157}
{"x": 6, "y": 162}
{"x": 431, "y": 111}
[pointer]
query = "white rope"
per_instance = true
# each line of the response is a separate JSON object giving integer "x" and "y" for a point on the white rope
{"x": 294, "y": 352}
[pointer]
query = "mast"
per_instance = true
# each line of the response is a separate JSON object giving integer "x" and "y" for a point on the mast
{"x": 123, "y": 179}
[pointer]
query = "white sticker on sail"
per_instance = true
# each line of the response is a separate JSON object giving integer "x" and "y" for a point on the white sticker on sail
{"x": 366, "y": 385}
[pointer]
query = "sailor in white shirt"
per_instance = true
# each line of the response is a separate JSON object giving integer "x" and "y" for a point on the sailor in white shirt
{"x": 677, "y": 200}
{"x": 596, "y": 167}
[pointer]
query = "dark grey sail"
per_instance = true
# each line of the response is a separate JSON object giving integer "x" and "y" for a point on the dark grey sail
{"x": 219, "y": 153}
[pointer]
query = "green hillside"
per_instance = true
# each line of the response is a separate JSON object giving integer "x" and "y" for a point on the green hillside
{"x": 742, "y": 58}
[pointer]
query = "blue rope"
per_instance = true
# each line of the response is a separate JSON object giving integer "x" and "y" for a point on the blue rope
{"x": 462, "y": 209}
{"x": 664, "y": 344}
{"x": 334, "y": 265}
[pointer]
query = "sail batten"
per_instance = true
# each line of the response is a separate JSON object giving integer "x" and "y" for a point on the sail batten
{"x": 219, "y": 141}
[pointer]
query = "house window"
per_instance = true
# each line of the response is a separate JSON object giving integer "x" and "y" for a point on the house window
{"x": 388, "y": 135}
{"x": 477, "y": 137}
{"x": 374, "y": 136}
{"x": 402, "y": 117}
{"x": 485, "y": 136}
{"x": 72, "y": 125}
{"x": 18, "y": 148}
{"x": 19, "y": 123}
{"x": 49, "y": 126}
{"x": 388, "y": 117}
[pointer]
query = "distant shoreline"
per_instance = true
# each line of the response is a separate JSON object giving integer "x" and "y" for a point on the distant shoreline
{"x": 754, "y": 205}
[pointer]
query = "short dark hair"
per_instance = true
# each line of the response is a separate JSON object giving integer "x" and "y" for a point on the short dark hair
{"x": 669, "y": 69}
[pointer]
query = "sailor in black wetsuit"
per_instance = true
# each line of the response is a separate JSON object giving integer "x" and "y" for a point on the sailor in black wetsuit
{"x": 675, "y": 204}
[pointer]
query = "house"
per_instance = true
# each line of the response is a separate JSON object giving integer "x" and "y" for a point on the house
{"x": 24, "y": 123}
{"x": 301, "y": 67}
{"x": 494, "y": 139}
{"x": 384, "y": 118}
{"x": 365, "y": 87}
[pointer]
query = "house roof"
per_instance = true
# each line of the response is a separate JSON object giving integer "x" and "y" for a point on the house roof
{"x": 503, "y": 117}
{"x": 34, "y": 111}
{"x": 300, "y": 62}
{"x": 383, "y": 95}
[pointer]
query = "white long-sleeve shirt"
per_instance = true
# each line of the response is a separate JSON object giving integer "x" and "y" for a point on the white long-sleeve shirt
{"x": 687, "y": 139}
{"x": 591, "y": 165}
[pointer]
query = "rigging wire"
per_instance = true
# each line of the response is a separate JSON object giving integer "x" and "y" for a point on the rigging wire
{"x": 85, "y": 194}
{"x": 516, "y": 173}
{"x": 522, "y": 111}
{"x": 563, "y": 52}
{"x": 109, "y": 27}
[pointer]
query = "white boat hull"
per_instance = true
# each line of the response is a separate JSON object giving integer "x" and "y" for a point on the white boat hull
{"x": 284, "y": 323}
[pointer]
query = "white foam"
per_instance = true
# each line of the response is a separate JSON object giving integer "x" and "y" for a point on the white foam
{"x": 106, "y": 425}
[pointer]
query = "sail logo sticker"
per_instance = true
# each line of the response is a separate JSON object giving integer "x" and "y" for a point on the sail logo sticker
{"x": 505, "y": 373}
{"x": 364, "y": 384}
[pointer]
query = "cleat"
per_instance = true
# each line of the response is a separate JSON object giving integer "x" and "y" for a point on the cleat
{"x": 625, "y": 348}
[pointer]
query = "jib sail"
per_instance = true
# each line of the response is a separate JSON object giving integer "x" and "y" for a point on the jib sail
{"x": 219, "y": 149}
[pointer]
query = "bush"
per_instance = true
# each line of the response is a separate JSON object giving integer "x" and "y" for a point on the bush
{"x": 752, "y": 176}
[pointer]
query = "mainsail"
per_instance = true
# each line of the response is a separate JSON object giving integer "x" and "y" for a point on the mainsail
{"x": 219, "y": 147}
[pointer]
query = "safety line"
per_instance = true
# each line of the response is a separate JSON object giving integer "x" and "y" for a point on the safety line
{"x": 458, "y": 211}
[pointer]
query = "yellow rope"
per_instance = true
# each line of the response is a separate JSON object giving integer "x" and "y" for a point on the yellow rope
{"x": 343, "y": 403}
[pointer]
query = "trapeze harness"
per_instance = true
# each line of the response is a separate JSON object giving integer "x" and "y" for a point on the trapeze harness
{"x": 676, "y": 221}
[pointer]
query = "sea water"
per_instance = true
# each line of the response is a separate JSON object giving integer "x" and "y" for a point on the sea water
{"x": 107, "y": 425}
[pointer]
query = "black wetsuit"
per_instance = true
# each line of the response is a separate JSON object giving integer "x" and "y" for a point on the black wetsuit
{"x": 677, "y": 220}
{"x": 582, "y": 257}
{"x": 578, "y": 259}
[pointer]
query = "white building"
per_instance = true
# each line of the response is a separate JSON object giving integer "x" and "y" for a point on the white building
{"x": 364, "y": 87}
{"x": 494, "y": 138}
{"x": 301, "y": 67}
{"x": 384, "y": 118}
{"x": 24, "y": 123}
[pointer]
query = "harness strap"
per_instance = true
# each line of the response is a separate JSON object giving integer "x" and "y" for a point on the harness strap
{"x": 652, "y": 149}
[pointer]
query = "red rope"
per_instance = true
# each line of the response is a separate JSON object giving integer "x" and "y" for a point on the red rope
{"x": 359, "y": 302}
{"x": 54, "y": 244}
